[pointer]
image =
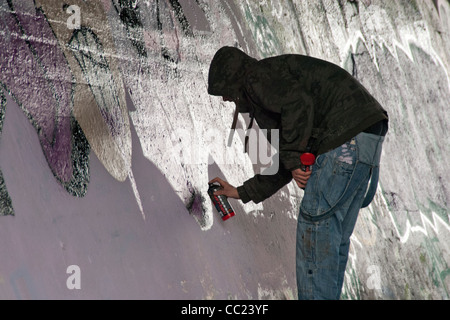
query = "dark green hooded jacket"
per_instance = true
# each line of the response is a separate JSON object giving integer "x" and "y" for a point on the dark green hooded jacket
{"x": 301, "y": 96}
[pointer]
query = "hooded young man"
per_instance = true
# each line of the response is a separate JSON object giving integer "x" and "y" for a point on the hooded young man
{"x": 321, "y": 108}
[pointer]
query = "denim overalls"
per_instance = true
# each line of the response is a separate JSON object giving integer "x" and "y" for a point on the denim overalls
{"x": 333, "y": 197}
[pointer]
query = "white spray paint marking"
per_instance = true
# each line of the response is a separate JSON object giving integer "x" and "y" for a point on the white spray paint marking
{"x": 136, "y": 193}
{"x": 417, "y": 34}
{"x": 433, "y": 223}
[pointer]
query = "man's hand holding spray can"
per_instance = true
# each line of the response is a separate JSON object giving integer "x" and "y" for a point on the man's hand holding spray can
{"x": 221, "y": 202}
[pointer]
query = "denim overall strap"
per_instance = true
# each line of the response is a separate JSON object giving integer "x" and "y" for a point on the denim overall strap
{"x": 372, "y": 187}
{"x": 379, "y": 129}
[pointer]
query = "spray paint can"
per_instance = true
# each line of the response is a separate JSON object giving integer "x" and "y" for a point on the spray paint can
{"x": 220, "y": 202}
{"x": 307, "y": 160}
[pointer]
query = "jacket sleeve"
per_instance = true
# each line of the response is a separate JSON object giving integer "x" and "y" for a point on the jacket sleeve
{"x": 261, "y": 187}
{"x": 297, "y": 120}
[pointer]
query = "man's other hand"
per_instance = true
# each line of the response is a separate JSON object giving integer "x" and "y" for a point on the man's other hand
{"x": 301, "y": 177}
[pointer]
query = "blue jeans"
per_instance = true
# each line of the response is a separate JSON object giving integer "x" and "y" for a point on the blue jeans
{"x": 333, "y": 197}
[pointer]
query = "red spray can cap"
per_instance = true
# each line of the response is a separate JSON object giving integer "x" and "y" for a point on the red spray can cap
{"x": 307, "y": 159}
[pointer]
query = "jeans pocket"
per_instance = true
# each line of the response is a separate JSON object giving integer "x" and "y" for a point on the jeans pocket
{"x": 335, "y": 185}
{"x": 321, "y": 161}
{"x": 326, "y": 188}
{"x": 313, "y": 241}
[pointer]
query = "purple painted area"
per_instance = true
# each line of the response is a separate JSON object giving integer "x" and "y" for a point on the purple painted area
{"x": 120, "y": 255}
{"x": 35, "y": 72}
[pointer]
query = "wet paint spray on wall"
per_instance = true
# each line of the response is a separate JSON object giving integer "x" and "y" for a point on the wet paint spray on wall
{"x": 111, "y": 80}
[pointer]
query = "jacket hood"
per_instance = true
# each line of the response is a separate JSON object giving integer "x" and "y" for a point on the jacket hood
{"x": 227, "y": 72}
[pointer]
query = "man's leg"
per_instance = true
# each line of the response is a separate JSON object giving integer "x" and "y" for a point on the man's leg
{"x": 318, "y": 242}
{"x": 347, "y": 221}
{"x": 322, "y": 250}
{"x": 317, "y": 260}
{"x": 336, "y": 191}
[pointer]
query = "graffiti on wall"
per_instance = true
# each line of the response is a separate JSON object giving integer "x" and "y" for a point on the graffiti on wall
{"x": 35, "y": 74}
{"x": 62, "y": 69}
{"x": 70, "y": 66}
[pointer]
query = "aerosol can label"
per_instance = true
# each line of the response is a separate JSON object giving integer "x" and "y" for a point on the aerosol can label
{"x": 220, "y": 202}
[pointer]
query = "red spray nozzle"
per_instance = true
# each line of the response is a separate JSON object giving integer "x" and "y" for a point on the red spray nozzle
{"x": 307, "y": 160}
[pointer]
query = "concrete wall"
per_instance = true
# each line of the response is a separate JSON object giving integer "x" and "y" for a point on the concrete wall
{"x": 108, "y": 139}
